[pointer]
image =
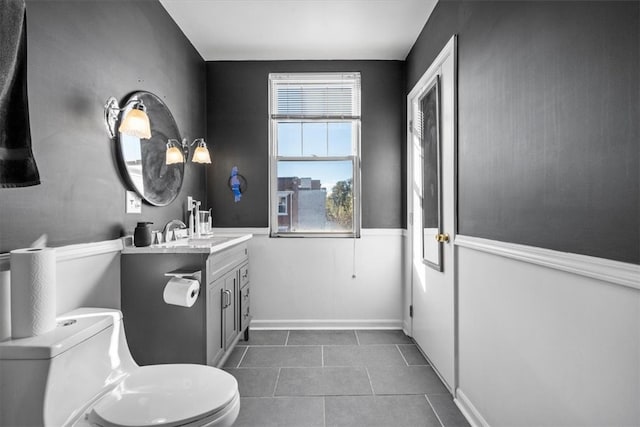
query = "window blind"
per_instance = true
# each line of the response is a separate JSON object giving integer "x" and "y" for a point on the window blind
{"x": 315, "y": 96}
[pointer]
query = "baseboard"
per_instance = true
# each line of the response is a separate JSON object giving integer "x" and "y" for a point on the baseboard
{"x": 406, "y": 328}
{"x": 615, "y": 272}
{"x": 302, "y": 324}
{"x": 469, "y": 411}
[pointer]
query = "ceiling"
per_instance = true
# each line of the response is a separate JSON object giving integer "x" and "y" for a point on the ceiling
{"x": 301, "y": 29}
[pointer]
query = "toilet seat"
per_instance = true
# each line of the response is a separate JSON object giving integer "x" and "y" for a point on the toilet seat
{"x": 167, "y": 395}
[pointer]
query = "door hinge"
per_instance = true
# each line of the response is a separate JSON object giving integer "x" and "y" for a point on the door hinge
{"x": 411, "y": 311}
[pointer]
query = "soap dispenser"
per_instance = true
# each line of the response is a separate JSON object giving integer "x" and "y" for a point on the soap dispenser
{"x": 142, "y": 234}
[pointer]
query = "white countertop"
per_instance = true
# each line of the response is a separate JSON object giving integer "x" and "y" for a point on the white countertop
{"x": 193, "y": 245}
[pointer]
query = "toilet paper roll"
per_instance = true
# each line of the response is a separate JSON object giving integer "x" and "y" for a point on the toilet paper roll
{"x": 33, "y": 291}
{"x": 181, "y": 291}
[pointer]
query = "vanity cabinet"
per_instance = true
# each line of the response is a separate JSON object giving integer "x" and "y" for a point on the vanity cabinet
{"x": 205, "y": 333}
{"x": 225, "y": 278}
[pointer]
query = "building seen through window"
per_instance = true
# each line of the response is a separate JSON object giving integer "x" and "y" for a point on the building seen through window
{"x": 305, "y": 204}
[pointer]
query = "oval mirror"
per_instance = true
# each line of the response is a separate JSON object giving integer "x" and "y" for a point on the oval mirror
{"x": 143, "y": 160}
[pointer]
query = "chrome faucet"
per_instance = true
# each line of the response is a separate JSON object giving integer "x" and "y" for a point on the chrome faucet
{"x": 169, "y": 229}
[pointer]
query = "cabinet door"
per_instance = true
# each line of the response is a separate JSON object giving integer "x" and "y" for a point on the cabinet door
{"x": 215, "y": 346}
{"x": 230, "y": 303}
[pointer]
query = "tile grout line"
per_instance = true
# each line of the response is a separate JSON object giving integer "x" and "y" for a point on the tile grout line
{"x": 242, "y": 357}
{"x": 401, "y": 354}
{"x": 275, "y": 386}
{"x": 324, "y": 411}
{"x": 373, "y": 392}
{"x": 434, "y": 410}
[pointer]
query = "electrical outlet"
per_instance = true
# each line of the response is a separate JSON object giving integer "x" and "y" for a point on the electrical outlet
{"x": 133, "y": 203}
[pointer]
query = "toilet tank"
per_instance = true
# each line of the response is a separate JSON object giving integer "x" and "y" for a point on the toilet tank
{"x": 51, "y": 378}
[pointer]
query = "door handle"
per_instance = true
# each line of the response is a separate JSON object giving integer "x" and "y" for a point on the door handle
{"x": 442, "y": 238}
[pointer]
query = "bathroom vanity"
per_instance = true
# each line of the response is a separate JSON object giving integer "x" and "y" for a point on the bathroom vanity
{"x": 204, "y": 333}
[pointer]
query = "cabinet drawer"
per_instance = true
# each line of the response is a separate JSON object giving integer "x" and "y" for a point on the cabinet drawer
{"x": 245, "y": 292}
{"x": 245, "y": 317}
{"x": 244, "y": 275}
{"x": 245, "y": 310}
{"x": 219, "y": 263}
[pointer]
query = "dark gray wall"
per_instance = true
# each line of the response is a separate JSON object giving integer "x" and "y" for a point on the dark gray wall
{"x": 238, "y": 129}
{"x": 79, "y": 54}
{"x": 548, "y": 105}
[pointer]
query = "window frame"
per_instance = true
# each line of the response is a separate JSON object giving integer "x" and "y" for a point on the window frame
{"x": 274, "y": 158}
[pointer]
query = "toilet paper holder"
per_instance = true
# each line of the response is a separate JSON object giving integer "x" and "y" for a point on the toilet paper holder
{"x": 181, "y": 290}
{"x": 185, "y": 274}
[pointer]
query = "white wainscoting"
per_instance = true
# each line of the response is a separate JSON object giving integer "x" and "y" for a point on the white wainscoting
{"x": 546, "y": 338}
{"x": 87, "y": 275}
{"x": 303, "y": 283}
{"x": 308, "y": 283}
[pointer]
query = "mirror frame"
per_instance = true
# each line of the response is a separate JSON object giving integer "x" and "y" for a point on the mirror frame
{"x": 429, "y": 107}
{"x": 156, "y": 182}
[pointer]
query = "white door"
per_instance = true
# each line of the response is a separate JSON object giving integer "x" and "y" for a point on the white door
{"x": 431, "y": 137}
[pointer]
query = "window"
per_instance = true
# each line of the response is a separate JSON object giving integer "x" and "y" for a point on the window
{"x": 315, "y": 154}
{"x": 283, "y": 204}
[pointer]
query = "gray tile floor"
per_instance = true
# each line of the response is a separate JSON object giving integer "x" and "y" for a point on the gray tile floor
{"x": 338, "y": 378}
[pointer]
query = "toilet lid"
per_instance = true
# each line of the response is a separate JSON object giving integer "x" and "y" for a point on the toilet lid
{"x": 165, "y": 395}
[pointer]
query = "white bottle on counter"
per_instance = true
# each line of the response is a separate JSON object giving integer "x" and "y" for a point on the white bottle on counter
{"x": 191, "y": 223}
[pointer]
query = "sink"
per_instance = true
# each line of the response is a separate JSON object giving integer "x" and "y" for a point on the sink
{"x": 209, "y": 240}
{"x": 208, "y": 243}
{"x": 172, "y": 244}
{"x": 195, "y": 241}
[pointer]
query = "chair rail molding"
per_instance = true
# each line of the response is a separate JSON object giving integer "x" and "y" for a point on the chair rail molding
{"x": 70, "y": 252}
{"x": 616, "y": 272}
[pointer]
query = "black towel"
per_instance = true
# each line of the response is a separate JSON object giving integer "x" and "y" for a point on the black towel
{"x": 17, "y": 165}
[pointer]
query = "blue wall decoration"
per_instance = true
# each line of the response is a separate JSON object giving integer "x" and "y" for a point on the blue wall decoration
{"x": 237, "y": 184}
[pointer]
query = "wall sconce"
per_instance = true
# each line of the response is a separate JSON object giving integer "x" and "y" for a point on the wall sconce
{"x": 177, "y": 151}
{"x": 135, "y": 122}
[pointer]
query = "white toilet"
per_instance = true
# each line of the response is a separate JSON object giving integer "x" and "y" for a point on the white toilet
{"x": 82, "y": 374}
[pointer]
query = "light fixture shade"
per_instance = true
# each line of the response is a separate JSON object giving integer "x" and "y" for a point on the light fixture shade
{"x": 174, "y": 154}
{"x": 201, "y": 153}
{"x": 136, "y": 123}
